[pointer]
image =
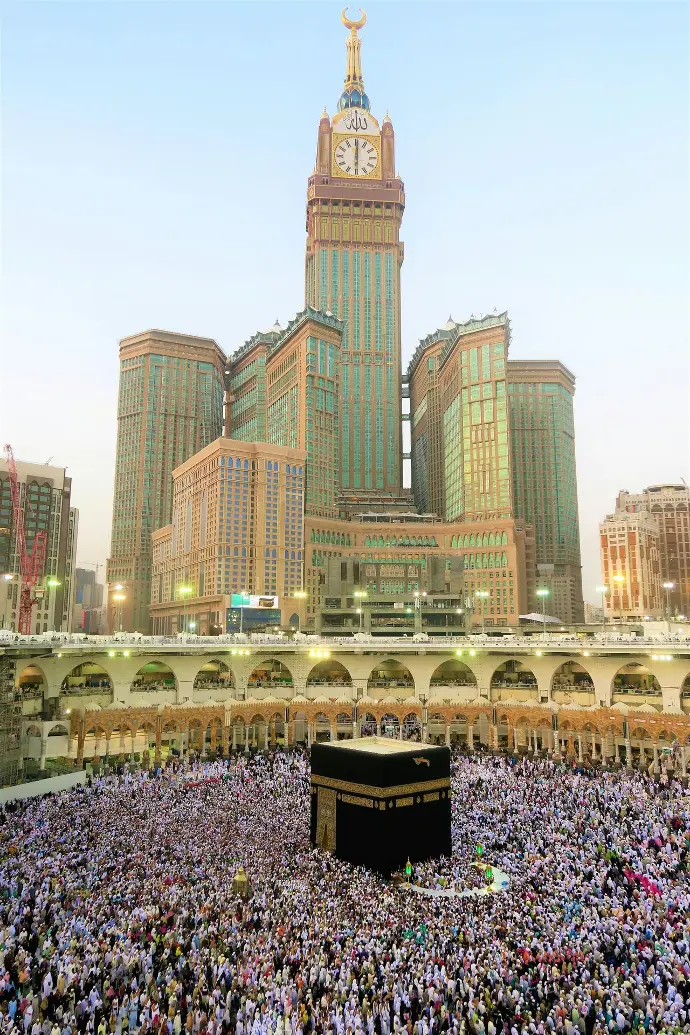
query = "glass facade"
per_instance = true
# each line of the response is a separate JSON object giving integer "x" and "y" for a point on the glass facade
{"x": 169, "y": 407}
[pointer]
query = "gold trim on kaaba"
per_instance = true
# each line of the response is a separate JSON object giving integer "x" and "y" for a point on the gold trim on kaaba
{"x": 350, "y": 799}
{"x": 401, "y": 802}
{"x": 367, "y": 790}
{"x": 434, "y": 796}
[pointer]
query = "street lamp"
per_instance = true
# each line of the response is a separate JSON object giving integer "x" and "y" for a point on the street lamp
{"x": 604, "y": 593}
{"x": 483, "y": 594}
{"x": 418, "y": 609}
{"x": 301, "y": 594}
{"x": 184, "y": 592}
{"x": 543, "y": 593}
{"x": 360, "y": 594}
{"x": 619, "y": 579}
{"x": 668, "y": 586}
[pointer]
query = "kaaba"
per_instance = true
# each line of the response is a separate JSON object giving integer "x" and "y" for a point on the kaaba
{"x": 378, "y": 802}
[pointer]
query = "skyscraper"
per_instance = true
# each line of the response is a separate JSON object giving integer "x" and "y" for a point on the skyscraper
{"x": 630, "y": 566}
{"x": 170, "y": 405}
{"x": 355, "y": 204}
{"x": 459, "y": 420}
{"x": 283, "y": 387}
{"x": 237, "y": 528}
{"x": 669, "y": 506}
{"x": 542, "y": 436}
{"x": 45, "y": 493}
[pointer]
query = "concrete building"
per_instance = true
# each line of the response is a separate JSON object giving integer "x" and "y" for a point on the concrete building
{"x": 355, "y": 205}
{"x": 630, "y": 567}
{"x": 170, "y": 405}
{"x": 237, "y": 529}
{"x": 669, "y": 506}
{"x": 287, "y": 390}
{"x": 89, "y": 604}
{"x": 45, "y": 493}
{"x": 593, "y": 615}
{"x": 497, "y": 558}
{"x": 542, "y": 445}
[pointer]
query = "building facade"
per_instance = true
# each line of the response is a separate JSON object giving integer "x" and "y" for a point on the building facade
{"x": 669, "y": 506}
{"x": 284, "y": 386}
{"x": 89, "y": 610}
{"x": 355, "y": 204}
{"x": 45, "y": 494}
{"x": 170, "y": 405}
{"x": 237, "y": 529}
{"x": 542, "y": 438}
{"x": 497, "y": 558}
{"x": 630, "y": 567}
{"x": 459, "y": 408}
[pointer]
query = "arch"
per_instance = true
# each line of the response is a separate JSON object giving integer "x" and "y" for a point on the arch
{"x": 412, "y": 727}
{"x": 389, "y": 674}
{"x": 214, "y": 675}
{"x": 322, "y": 726}
{"x": 513, "y": 675}
{"x": 86, "y": 678}
{"x": 33, "y": 731}
{"x": 329, "y": 673}
{"x": 571, "y": 675}
{"x": 390, "y": 726}
{"x": 58, "y": 729}
{"x": 367, "y": 724}
{"x": 453, "y": 673}
{"x": 634, "y": 677}
{"x": 154, "y": 675}
{"x": 32, "y": 679}
{"x": 270, "y": 672}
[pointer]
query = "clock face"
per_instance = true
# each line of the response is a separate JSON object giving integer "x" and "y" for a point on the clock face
{"x": 356, "y": 156}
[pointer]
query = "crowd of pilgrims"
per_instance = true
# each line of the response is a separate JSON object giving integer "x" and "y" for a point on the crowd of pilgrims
{"x": 117, "y": 911}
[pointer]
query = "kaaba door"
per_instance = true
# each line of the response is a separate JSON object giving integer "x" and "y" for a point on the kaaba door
{"x": 325, "y": 819}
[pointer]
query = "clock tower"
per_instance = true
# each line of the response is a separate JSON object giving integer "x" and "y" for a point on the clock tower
{"x": 355, "y": 204}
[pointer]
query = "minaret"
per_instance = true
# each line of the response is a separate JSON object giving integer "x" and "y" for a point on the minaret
{"x": 355, "y": 204}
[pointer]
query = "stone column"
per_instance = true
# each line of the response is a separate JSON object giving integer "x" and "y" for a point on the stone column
{"x": 400, "y": 732}
{"x": 515, "y": 739}
{"x": 246, "y": 738}
{"x": 44, "y": 751}
{"x": 683, "y": 762}
{"x": 642, "y": 763}
{"x": 131, "y": 749}
{"x": 580, "y": 754}
{"x": 378, "y": 728}
{"x": 655, "y": 751}
{"x": 447, "y": 730}
{"x": 308, "y": 734}
{"x": 234, "y": 737}
{"x": 266, "y": 725}
{"x": 494, "y": 736}
{"x": 470, "y": 736}
{"x": 603, "y": 750}
{"x": 628, "y": 753}
{"x": 157, "y": 755}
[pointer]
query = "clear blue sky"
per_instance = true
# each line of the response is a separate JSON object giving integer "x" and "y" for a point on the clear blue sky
{"x": 155, "y": 158}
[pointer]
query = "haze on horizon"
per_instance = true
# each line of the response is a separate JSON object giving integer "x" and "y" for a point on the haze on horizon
{"x": 155, "y": 159}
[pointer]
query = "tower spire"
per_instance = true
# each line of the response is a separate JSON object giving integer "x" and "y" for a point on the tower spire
{"x": 353, "y": 95}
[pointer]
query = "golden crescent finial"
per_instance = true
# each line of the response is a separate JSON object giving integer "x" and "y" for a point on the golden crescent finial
{"x": 353, "y": 25}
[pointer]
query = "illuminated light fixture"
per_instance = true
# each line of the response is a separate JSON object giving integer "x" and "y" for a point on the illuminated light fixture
{"x": 111, "y": 653}
{"x": 585, "y": 653}
{"x": 119, "y": 586}
{"x": 538, "y": 653}
{"x": 472, "y": 653}
{"x": 459, "y": 653}
{"x": 126, "y": 653}
{"x": 300, "y": 594}
{"x": 8, "y": 578}
{"x": 68, "y": 711}
{"x": 59, "y": 655}
{"x": 233, "y": 652}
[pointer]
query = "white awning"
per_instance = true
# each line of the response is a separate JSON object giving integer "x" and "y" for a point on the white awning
{"x": 534, "y": 617}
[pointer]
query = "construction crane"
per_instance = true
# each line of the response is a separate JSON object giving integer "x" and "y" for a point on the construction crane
{"x": 30, "y": 564}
